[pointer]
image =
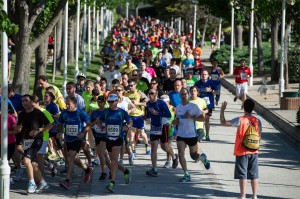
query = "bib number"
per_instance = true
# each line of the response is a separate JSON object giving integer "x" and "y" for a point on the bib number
{"x": 156, "y": 130}
{"x": 213, "y": 40}
{"x": 98, "y": 129}
{"x": 214, "y": 77}
{"x": 243, "y": 76}
{"x": 113, "y": 130}
{"x": 207, "y": 101}
{"x": 72, "y": 130}
{"x": 27, "y": 143}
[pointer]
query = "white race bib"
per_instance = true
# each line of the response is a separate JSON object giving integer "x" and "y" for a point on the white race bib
{"x": 243, "y": 76}
{"x": 214, "y": 77}
{"x": 213, "y": 40}
{"x": 98, "y": 129}
{"x": 72, "y": 130}
{"x": 207, "y": 101}
{"x": 113, "y": 130}
{"x": 27, "y": 143}
{"x": 156, "y": 130}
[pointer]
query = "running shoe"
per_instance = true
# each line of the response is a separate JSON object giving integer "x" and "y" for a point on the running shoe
{"x": 205, "y": 161}
{"x": 31, "y": 187}
{"x": 131, "y": 159}
{"x": 96, "y": 162}
{"x": 61, "y": 161}
{"x": 175, "y": 162}
{"x": 103, "y": 176}
{"x": 110, "y": 187}
{"x": 207, "y": 138}
{"x": 41, "y": 187}
{"x": 185, "y": 178}
{"x": 152, "y": 173}
{"x": 53, "y": 169}
{"x": 120, "y": 162}
{"x": 64, "y": 184}
{"x": 168, "y": 164}
{"x": 87, "y": 176}
{"x": 19, "y": 175}
{"x": 234, "y": 99}
{"x": 127, "y": 176}
{"x": 148, "y": 152}
{"x": 134, "y": 156}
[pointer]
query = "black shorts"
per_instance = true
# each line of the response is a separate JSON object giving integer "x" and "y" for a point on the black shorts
{"x": 34, "y": 148}
{"x": 74, "y": 145}
{"x": 189, "y": 141}
{"x": 10, "y": 150}
{"x": 52, "y": 134}
{"x": 164, "y": 137}
{"x": 111, "y": 143}
{"x": 9, "y": 58}
{"x": 99, "y": 139}
{"x": 246, "y": 167}
{"x": 19, "y": 139}
{"x": 50, "y": 46}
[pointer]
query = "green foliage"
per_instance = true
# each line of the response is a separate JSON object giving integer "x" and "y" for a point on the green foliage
{"x": 294, "y": 64}
{"x": 5, "y": 23}
{"x": 222, "y": 55}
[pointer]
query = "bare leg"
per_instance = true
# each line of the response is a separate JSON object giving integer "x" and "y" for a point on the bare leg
{"x": 243, "y": 186}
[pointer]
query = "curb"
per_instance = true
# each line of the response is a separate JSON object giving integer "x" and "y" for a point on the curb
{"x": 270, "y": 116}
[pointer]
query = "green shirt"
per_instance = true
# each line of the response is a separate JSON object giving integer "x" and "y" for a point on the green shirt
{"x": 51, "y": 120}
{"x": 142, "y": 86}
{"x": 87, "y": 96}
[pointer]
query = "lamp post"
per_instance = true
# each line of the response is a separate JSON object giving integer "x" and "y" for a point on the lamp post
{"x": 251, "y": 43}
{"x": 127, "y": 9}
{"x": 219, "y": 33}
{"x": 94, "y": 30}
{"x": 232, "y": 37}
{"x": 65, "y": 49}
{"x": 77, "y": 41}
{"x": 195, "y": 22}
{"x": 89, "y": 36}
{"x": 84, "y": 40}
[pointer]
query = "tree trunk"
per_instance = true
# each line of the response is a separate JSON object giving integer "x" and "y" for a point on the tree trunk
{"x": 260, "y": 57}
{"x": 40, "y": 64}
{"x": 204, "y": 32}
{"x": 274, "y": 49}
{"x": 239, "y": 36}
{"x": 286, "y": 64}
{"x": 59, "y": 41}
{"x": 71, "y": 25}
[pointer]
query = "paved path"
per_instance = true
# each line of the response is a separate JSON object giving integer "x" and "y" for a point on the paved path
{"x": 279, "y": 170}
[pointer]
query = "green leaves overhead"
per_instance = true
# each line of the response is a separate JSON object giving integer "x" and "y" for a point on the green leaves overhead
{"x": 5, "y": 23}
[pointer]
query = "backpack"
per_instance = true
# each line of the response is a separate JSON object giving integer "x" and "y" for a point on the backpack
{"x": 251, "y": 140}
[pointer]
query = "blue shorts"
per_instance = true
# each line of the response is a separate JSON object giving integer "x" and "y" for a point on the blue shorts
{"x": 137, "y": 122}
{"x": 246, "y": 167}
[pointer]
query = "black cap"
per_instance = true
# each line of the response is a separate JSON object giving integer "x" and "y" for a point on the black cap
{"x": 95, "y": 92}
{"x": 101, "y": 98}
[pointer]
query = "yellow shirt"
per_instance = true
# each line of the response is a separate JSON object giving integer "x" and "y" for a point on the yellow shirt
{"x": 135, "y": 97}
{"x": 126, "y": 69}
{"x": 202, "y": 105}
{"x": 57, "y": 92}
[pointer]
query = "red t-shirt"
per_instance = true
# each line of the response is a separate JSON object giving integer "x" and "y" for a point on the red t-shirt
{"x": 11, "y": 121}
{"x": 241, "y": 74}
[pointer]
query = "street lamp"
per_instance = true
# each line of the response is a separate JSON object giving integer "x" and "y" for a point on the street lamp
{"x": 232, "y": 37}
{"x": 65, "y": 49}
{"x": 251, "y": 43}
{"x": 195, "y": 22}
{"x": 281, "y": 78}
{"x": 84, "y": 40}
{"x": 127, "y": 8}
{"x": 77, "y": 41}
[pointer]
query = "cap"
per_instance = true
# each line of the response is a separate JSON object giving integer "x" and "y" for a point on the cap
{"x": 128, "y": 58}
{"x": 95, "y": 92}
{"x": 189, "y": 70}
{"x": 166, "y": 98}
{"x": 101, "y": 98}
{"x": 81, "y": 75}
{"x": 112, "y": 97}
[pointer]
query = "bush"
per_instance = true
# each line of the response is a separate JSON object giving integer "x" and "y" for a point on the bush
{"x": 294, "y": 64}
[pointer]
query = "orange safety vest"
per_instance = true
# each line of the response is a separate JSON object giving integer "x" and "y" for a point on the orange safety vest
{"x": 239, "y": 150}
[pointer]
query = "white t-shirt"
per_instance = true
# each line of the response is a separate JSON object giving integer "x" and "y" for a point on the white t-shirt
{"x": 147, "y": 75}
{"x": 187, "y": 127}
{"x": 124, "y": 104}
{"x": 167, "y": 57}
{"x": 110, "y": 76}
{"x": 177, "y": 69}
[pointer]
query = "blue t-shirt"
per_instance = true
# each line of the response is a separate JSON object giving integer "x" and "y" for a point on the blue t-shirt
{"x": 16, "y": 100}
{"x": 53, "y": 109}
{"x": 163, "y": 111}
{"x": 114, "y": 120}
{"x": 74, "y": 122}
{"x": 10, "y": 105}
{"x": 207, "y": 96}
{"x": 97, "y": 114}
{"x": 175, "y": 99}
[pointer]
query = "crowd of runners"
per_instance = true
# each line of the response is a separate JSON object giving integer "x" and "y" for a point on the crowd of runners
{"x": 149, "y": 73}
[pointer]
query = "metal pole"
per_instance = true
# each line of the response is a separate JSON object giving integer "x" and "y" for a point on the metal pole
{"x": 195, "y": 24}
{"x": 97, "y": 31}
{"x": 232, "y": 38}
{"x": 94, "y": 30}
{"x": 65, "y": 50}
{"x": 102, "y": 24}
{"x": 89, "y": 35}
{"x": 54, "y": 57}
{"x": 77, "y": 41}
{"x": 127, "y": 9}
{"x": 219, "y": 33}
{"x": 251, "y": 43}
{"x": 281, "y": 78}
{"x": 84, "y": 40}
{"x": 4, "y": 166}
{"x": 179, "y": 25}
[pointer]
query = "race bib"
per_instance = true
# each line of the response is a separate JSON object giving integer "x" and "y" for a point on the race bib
{"x": 213, "y": 40}
{"x": 243, "y": 76}
{"x": 113, "y": 130}
{"x": 27, "y": 143}
{"x": 214, "y": 77}
{"x": 156, "y": 130}
{"x": 98, "y": 129}
{"x": 72, "y": 130}
{"x": 207, "y": 101}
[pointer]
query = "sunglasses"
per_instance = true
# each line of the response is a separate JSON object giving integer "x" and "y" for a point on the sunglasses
{"x": 110, "y": 102}
{"x": 153, "y": 82}
{"x": 130, "y": 85}
{"x": 101, "y": 101}
{"x": 134, "y": 75}
{"x": 152, "y": 93}
{"x": 118, "y": 90}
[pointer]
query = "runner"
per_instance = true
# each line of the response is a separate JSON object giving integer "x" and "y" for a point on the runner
{"x": 113, "y": 118}
{"x": 186, "y": 115}
{"x": 73, "y": 121}
{"x": 156, "y": 110}
{"x": 216, "y": 75}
